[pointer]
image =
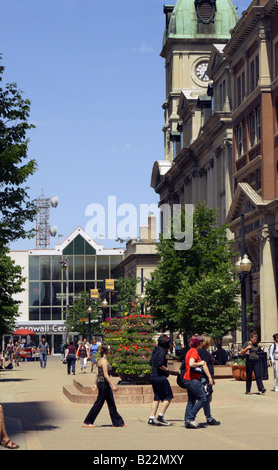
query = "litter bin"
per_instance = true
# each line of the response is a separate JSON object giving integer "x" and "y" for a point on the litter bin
{"x": 263, "y": 365}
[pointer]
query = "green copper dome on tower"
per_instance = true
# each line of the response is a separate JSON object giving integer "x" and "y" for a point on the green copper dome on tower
{"x": 193, "y": 19}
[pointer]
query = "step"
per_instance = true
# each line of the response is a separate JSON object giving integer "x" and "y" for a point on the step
{"x": 80, "y": 391}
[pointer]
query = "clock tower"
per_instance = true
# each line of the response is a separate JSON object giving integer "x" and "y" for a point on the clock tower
{"x": 192, "y": 27}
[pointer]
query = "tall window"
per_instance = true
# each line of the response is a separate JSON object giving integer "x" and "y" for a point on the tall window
{"x": 276, "y": 60}
{"x": 254, "y": 73}
{"x": 258, "y": 123}
{"x": 239, "y": 145}
{"x": 254, "y": 123}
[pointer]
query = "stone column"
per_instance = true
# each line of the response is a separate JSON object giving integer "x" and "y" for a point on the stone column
{"x": 268, "y": 297}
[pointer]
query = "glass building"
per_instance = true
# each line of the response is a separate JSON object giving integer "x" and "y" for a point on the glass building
{"x": 50, "y": 287}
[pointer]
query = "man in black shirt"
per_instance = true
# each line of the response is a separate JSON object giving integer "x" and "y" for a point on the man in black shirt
{"x": 161, "y": 386}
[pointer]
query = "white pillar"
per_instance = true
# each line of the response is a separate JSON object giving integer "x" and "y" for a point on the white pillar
{"x": 268, "y": 297}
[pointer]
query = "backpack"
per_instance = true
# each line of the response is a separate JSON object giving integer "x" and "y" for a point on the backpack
{"x": 180, "y": 375}
{"x": 9, "y": 366}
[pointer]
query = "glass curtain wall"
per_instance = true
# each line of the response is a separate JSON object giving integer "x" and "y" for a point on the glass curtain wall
{"x": 48, "y": 280}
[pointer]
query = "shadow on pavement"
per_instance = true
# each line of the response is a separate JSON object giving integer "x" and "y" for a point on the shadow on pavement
{"x": 13, "y": 380}
{"x": 34, "y": 416}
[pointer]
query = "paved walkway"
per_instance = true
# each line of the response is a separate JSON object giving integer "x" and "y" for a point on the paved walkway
{"x": 39, "y": 417}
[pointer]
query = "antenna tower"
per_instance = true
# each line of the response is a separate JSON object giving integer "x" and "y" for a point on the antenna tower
{"x": 44, "y": 231}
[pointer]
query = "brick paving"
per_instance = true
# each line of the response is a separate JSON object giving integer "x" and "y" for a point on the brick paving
{"x": 40, "y": 417}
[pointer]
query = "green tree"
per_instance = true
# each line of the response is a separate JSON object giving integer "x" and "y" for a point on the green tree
{"x": 79, "y": 311}
{"x": 15, "y": 207}
{"x": 10, "y": 284}
{"x": 195, "y": 290}
{"x": 127, "y": 301}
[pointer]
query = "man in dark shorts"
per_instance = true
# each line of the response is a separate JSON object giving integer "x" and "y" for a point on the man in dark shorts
{"x": 161, "y": 386}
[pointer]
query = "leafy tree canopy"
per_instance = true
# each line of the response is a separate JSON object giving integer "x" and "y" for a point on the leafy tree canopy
{"x": 194, "y": 290}
{"x": 10, "y": 284}
{"x": 15, "y": 207}
{"x": 78, "y": 312}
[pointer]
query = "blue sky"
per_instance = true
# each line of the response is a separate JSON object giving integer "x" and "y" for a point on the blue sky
{"x": 93, "y": 72}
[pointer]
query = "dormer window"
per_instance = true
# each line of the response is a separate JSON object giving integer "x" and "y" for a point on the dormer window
{"x": 206, "y": 10}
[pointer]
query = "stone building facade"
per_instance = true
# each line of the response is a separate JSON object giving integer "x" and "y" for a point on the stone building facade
{"x": 221, "y": 130}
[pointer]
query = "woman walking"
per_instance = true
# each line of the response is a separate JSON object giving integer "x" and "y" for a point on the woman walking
{"x": 192, "y": 380}
{"x": 9, "y": 351}
{"x": 252, "y": 350}
{"x": 5, "y": 441}
{"x": 82, "y": 352}
{"x": 70, "y": 357}
{"x": 105, "y": 393}
{"x": 160, "y": 384}
{"x": 93, "y": 353}
{"x": 206, "y": 356}
{"x": 273, "y": 355}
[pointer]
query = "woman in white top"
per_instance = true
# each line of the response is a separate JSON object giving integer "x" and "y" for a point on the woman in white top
{"x": 273, "y": 355}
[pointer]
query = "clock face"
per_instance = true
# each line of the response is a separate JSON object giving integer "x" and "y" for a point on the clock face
{"x": 201, "y": 69}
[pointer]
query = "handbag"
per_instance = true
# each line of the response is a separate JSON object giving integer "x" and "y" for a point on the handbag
{"x": 65, "y": 361}
{"x": 180, "y": 375}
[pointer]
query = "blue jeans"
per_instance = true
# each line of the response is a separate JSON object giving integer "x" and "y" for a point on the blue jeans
{"x": 196, "y": 399}
{"x": 43, "y": 358}
{"x": 71, "y": 359}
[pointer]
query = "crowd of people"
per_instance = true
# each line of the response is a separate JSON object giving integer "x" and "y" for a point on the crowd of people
{"x": 197, "y": 375}
{"x": 83, "y": 351}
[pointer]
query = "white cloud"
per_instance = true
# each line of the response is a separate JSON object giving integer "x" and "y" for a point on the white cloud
{"x": 143, "y": 48}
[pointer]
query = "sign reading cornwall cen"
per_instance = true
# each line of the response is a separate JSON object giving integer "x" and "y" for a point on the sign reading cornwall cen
{"x": 46, "y": 328}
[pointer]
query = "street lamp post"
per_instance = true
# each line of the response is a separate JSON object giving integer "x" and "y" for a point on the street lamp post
{"x": 142, "y": 296}
{"x": 242, "y": 268}
{"x": 89, "y": 312}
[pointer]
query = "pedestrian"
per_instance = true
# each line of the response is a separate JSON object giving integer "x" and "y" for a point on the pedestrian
{"x": 2, "y": 360}
{"x": 87, "y": 346}
{"x": 273, "y": 355}
{"x": 160, "y": 384}
{"x": 82, "y": 353}
{"x": 70, "y": 357}
{"x": 178, "y": 346}
{"x": 63, "y": 351}
{"x": 93, "y": 353}
{"x": 5, "y": 441}
{"x": 206, "y": 356}
{"x": 17, "y": 349}
{"x": 252, "y": 351}
{"x": 44, "y": 352}
{"x": 220, "y": 356}
{"x": 194, "y": 367}
{"x": 105, "y": 392}
{"x": 9, "y": 351}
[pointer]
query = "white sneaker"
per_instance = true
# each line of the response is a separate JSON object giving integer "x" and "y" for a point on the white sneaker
{"x": 192, "y": 424}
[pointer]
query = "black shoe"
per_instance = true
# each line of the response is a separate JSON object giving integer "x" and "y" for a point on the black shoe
{"x": 160, "y": 420}
{"x": 153, "y": 422}
{"x": 263, "y": 390}
{"x": 213, "y": 422}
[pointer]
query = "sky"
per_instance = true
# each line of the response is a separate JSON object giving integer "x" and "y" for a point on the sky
{"x": 93, "y": 73}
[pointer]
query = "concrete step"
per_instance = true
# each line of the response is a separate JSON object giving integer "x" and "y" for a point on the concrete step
{"x": 81, "y": 392}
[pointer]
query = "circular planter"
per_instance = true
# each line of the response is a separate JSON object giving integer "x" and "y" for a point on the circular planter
{"x": 239, "y": 372}
{"x": 236, "y": 372}
{"x": 243, "y": 374}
